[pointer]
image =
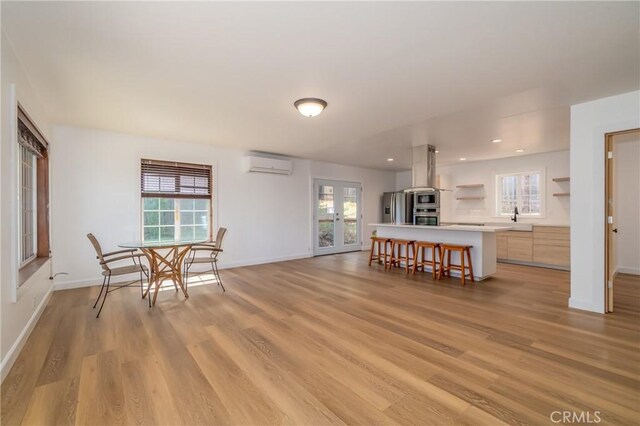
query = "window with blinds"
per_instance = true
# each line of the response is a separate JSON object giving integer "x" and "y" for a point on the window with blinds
{"x": 176, "y": 201}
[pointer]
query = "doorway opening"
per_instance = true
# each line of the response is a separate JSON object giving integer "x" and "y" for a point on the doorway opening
{"x": 337, "y": 216}
{"x": 622, "y": 207}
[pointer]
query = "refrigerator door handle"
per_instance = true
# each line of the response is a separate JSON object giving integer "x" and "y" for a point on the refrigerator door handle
{"x": 393, "y": 207}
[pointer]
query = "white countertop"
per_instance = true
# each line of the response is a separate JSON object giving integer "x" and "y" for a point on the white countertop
{"x": 467, "y": 228}
{"x": 505, "y": 223}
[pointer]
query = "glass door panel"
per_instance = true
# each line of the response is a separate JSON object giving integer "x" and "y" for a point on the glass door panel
{"x": 350, "y": 215}
{"x": 326, "y": 216}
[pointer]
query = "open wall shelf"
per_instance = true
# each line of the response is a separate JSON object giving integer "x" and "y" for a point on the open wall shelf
{"x": 469, "y": 198}
{"x": 473, "y": 185}
{"x": 561, "y": 194}
{"x": 561, "y": 179}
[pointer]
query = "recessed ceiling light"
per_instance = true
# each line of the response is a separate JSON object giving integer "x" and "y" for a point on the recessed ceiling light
{"x": 520, "y": 150}
{"x": 496, "y": 140}
{"x": 310, "y": 107}
{"x": 437, "y": 151}
{"x": 389, "y": 159}
{"x": 463, "y": 159}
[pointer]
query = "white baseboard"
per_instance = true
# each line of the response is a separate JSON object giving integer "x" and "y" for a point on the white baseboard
{"x": 264, "y": 260}
{"x": 13, "y": 353}
{"x": 585, "y": 305}
{"x": 627, "y": 270}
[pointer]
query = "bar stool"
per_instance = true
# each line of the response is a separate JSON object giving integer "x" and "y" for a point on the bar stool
{"x": 408, "y": 255}
{"x": 445, "y": 269}
{"x": 420, "y": 261}
{"x": 383, "y": 254}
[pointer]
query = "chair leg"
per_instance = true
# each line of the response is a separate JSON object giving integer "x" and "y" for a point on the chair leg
{"x": 406, "y": 265}
{"x": 384, "y": 254}
{"x": 215, "y": 265}
{"x": 373, "y": 244}
{"x": 104, "y": 280}
{"x": 149, "y": 288}
{"x": 186, "y": 275}
{"x": 433, "y": 262}
{"x": 462, "y": 268}
{"x": 105, "y": 295}
{"x": 470, "y": 264}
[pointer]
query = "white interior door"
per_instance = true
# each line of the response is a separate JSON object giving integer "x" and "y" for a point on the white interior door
{"x": 337, "y": 216}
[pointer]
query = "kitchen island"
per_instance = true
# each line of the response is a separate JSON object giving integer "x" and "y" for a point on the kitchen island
{"x": 482, "y": 238}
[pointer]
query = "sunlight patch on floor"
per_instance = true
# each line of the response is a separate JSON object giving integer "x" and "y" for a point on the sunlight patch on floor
{"x": 194, "y": 281}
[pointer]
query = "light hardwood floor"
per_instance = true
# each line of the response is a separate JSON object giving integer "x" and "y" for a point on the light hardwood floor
{"x": 330, "y": 340}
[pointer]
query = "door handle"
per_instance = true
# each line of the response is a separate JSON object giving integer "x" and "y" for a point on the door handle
{"x": 615, "y": 230}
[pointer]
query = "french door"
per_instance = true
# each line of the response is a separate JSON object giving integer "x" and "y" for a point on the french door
{"x": 337, "y": 216}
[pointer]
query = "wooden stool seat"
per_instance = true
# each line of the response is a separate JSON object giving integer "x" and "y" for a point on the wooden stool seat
{"x": 420, "y": 260}
{"x": 382, "y": 254}
{"x": 409, "y": 255}
{"x": 463, "y": 267}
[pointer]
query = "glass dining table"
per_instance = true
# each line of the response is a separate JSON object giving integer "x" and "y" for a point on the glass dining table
{"x": 165, "y": 262}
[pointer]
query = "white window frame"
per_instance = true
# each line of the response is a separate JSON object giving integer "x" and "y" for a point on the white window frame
{"x": 176, "y": 217}
{"x": 542, "y": 189}
{"x": 34, "y": 206}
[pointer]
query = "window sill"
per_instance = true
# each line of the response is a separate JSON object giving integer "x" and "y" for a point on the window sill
{"x": 28, "y": 270}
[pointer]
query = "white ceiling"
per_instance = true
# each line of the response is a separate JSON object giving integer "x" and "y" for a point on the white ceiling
{"x": 394, "y": 74}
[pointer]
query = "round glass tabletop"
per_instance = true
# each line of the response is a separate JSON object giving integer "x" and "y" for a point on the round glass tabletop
{"x": 162, "y": 244}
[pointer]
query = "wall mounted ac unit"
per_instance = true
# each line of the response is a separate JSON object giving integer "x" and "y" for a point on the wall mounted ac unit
{"x": 274, "y": 166}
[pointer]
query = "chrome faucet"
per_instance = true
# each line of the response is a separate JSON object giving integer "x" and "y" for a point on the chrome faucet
{"x": 514, "y": 218}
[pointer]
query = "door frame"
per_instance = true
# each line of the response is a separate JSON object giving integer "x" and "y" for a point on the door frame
{"x": 313, "y": 200}
{"x": 608, "y": 188}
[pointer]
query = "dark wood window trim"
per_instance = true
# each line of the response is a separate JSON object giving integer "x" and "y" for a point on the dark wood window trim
{"x": 29, "y": 135}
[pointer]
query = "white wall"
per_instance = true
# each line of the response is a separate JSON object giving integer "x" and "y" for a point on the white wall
{"x": 16, "y": 317}
{"x": 627, "y": 207}
{"x": 590, "y": 121}
{"x": 553, "y": 164}
{"x": 403, "y": 180}
{"x": 96, "y": 187}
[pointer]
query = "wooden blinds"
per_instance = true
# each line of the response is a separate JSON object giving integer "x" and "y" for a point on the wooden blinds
{"x": 29, "y": 136}
{"x": 167, "y": 179}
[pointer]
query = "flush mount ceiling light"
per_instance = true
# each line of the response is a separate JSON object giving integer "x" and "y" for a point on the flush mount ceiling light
{"x": 520, "y": 150}
{"x": 496, "y": 140}
{"x": 437, "y": 151}
{"x": 463, "y": 159}
{"x": 389, "y": 159}
{"x": 310, "y": 107}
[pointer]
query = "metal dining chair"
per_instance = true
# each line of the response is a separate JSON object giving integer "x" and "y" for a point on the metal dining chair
{"x": 107, "y": 272}
{"x": 207, "y": 254}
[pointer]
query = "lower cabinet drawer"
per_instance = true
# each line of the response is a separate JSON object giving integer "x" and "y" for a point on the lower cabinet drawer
{"x": 520, "y": 249}
{"x": 552, "y": 254}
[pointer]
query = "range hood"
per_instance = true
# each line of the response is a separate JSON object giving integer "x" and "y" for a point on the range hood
{"x": 423, "y": 169}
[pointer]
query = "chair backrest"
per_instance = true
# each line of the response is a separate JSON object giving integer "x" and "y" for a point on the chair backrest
{"x": 96, "y": 246}
{"x": 220, "y": 237}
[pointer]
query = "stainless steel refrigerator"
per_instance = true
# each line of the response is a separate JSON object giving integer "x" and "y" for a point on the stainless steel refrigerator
{"x": 397, "y": 207}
